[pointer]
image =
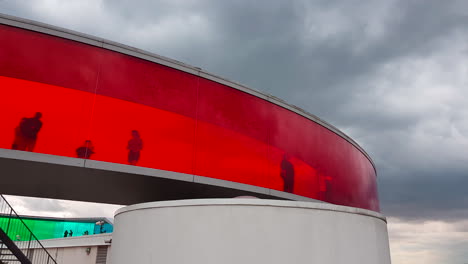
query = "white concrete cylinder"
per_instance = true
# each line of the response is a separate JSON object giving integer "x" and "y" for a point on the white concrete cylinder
{"x": 248, "y": 231}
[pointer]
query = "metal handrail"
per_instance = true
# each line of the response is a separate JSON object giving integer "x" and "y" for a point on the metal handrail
{"x": 13, "y": 213}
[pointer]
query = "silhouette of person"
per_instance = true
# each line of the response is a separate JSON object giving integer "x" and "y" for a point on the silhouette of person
{"x": 325, "y": 187}
{"x": 86, "y": 150}
{"x": 71, "y": 232}
{"x": 287, "y": 173}
{"x": 26, "y": 133}
{"x": 65, "y": 234}
{"x": 135, "y": 145}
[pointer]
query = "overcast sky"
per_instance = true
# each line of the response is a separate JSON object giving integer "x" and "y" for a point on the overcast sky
{"x": 391, "y": 74}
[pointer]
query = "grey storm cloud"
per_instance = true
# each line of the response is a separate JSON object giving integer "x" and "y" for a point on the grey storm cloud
{"x": 391, "y": 74}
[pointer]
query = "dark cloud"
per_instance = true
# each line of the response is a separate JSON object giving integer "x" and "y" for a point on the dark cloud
{"x": 392, "y": 74}
{"x": 425, "y": 195}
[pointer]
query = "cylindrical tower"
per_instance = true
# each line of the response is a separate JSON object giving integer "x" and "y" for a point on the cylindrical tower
{"x": 248, "y": 231}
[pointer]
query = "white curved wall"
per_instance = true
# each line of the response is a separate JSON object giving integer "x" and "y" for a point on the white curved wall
{"x": 248, "y": 231}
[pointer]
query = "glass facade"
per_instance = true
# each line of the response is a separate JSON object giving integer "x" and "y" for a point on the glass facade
{"x": 44, "y": 228}
{"x": 70, "y": 99}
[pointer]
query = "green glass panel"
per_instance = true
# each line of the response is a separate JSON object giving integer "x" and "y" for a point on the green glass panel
{"x": 48, "y": 228}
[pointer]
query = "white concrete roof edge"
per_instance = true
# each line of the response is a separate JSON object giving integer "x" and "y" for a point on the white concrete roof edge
{"x": 251, "y": 202}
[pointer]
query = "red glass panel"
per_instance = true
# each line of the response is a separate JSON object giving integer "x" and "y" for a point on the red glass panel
{"x": 52, "y": 60}
{"x": 66, "y": 114}
{"x": 184, "y": 123}
{"x": 158, "y": 104}
{"x": 328, "y": 167}
{"x": 231, "y": 135}
{"x": 166, "y": 137}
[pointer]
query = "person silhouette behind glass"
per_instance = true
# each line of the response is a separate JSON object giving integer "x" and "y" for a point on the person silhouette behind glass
{"x": 26, "y": 133}
{"x": 86, "y": 150}
{"x": 287, "y": 173}
{"x": 135, "y": 145}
